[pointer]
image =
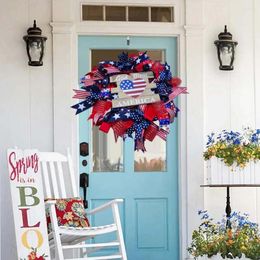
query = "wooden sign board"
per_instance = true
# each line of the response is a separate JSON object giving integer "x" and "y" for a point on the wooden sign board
{"x": 133, "y": 89}
{"x": 28, "y": 204}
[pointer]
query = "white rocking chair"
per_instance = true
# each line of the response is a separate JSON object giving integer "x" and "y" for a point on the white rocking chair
{"x": 63, "y": 238}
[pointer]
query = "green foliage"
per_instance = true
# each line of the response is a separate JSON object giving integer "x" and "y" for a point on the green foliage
{"x": 232, "y": 154}
{"x": 242, "y": 238}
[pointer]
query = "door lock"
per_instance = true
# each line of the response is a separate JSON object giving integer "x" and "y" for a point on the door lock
{"x": 83, "y": 149}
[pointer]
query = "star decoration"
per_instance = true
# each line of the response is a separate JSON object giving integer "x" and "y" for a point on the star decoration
{"x": 127, "y": 114}
{"x": 115, "y": 96}
{"x": 116, "y": 116}
{"x": 81, "y": 107}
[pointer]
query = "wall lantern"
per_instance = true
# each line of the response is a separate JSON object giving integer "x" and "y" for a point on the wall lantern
{"x": 35, "y": 45}
{"x": 226, "y": 50}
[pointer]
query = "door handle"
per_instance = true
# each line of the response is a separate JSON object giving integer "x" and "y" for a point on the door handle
{"x": 84, "y": 183}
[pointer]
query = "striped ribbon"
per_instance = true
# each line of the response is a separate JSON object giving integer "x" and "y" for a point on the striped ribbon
{"x": 99, "y": 110}
{"x": 81, "y": 94}
{"x": 150, "y": 132}
{"x": 120, "y": 127}
{"x": 139, "y": 145}
{"x": 176, "y": 92}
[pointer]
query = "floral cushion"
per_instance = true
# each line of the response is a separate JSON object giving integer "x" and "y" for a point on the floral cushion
{"x": 70, "y": 213}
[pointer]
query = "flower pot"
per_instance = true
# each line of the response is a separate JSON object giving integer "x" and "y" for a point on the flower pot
{"x": 219, "y": 173}
{"x": 214, "y": 257}
{"x": 218, "y": 257}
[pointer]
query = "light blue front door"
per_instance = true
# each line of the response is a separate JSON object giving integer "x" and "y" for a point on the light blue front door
{"x": 148, "y": 182}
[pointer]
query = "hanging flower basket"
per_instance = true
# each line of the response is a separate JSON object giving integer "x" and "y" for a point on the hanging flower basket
{"x": 219, "y": 173}
{"x": 233, "y": 157}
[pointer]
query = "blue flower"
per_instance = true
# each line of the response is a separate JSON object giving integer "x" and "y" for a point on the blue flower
{"x": 205, "y": 216}
{"x": 202, "y": 211}
{"x": 210, "y": 139}
{"x": 255, "y": 138}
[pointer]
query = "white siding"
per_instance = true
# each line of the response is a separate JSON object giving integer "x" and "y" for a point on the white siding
{"x": 26, "y": 109}
{"x": 231, "y": 97}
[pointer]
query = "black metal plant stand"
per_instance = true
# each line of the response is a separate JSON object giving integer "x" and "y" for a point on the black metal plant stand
{"x": 228, "y": 208}
{"x": 228, "y": 205}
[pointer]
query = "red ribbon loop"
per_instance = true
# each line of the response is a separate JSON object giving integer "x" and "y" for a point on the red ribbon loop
{"x": 157, "y": 110}
{"x": 99, "y": 110}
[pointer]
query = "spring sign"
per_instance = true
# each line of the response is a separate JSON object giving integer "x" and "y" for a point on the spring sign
{"x": 28, "y": 204}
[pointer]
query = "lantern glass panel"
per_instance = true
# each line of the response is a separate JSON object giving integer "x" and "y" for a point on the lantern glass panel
{"x": 35, "y": 49}
{"x": 226, "y": 54}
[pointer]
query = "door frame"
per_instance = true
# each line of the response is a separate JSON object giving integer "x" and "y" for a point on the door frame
{"x": 66, "y": 27}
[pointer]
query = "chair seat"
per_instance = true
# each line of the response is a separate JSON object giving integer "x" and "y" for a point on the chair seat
{"x": 87, "y": 231}
{"x": 78, "y": 234}
{"x": 99, "y": 257}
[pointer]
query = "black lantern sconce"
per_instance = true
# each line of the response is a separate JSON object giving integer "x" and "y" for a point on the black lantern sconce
{"x": 35, "y": 45}
{"x": 226, "y": 50}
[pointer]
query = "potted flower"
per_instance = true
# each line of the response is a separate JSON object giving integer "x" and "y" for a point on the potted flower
{"x": 233, "y": 157}
{"x": 240, "y": 239}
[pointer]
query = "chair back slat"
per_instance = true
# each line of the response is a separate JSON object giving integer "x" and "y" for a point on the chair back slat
{"x": 47, "y": 187}
{"x": 61, "y": 180}
{"x": 56, "y": 179}
{"x": 75, "y": 190}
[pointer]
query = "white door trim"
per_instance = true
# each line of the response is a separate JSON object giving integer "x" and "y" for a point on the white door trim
{"x": 66, "y": 29}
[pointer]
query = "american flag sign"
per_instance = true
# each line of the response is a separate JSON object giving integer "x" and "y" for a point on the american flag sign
{"x": 133, "y": 88}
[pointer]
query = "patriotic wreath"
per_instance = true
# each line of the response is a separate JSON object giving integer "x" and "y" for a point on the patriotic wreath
{"x": 134, "y": 96}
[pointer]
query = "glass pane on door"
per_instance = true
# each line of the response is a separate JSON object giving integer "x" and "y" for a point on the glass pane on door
{"x": 107, "y": 154}
{"x": 154, "y": 159}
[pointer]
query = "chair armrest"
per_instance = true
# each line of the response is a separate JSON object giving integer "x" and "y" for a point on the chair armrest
{"x": 49, "y": 202}
{"x": 104, "y": 206}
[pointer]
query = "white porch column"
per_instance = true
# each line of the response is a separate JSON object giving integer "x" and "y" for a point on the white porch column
{"x": 64, "y": 69}
{"x": 257, "y": 81}
{"x": 64, "y": 42}
{"x": 257, "y": 61}
{"x": 195, "y": 112}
